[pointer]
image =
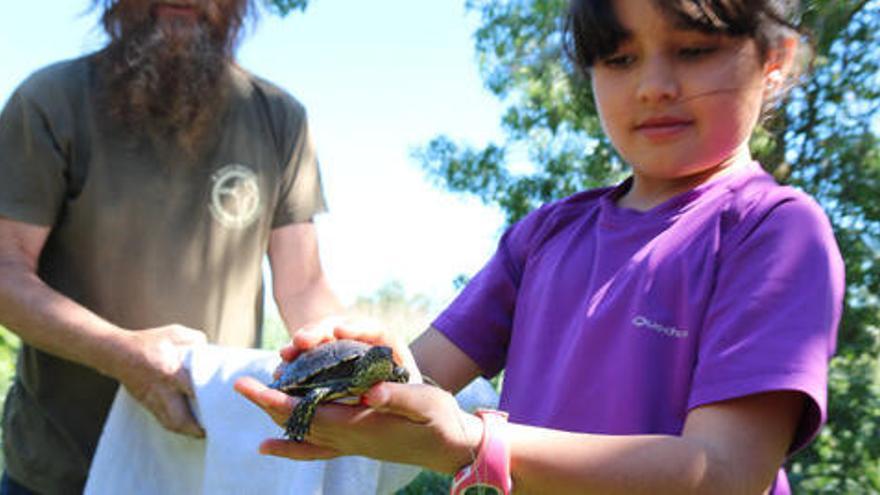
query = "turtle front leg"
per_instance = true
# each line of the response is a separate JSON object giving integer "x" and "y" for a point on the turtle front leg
{"x": 301, "y": 417}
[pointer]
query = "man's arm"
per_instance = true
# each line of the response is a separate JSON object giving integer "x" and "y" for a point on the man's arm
{"x": 299, "y": 286}
{"x": 148, "y": 363}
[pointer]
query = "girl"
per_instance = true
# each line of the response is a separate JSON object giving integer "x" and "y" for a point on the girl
{"x": 667, "y": 335}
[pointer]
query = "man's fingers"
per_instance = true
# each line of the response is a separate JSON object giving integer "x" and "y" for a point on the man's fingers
{"x": 177, "y": 416}
{"x": 292, "y": 450}
{"x": 404, "y": 400}
{"x": 183, "y": 382}
{"x": 187, "y": 336}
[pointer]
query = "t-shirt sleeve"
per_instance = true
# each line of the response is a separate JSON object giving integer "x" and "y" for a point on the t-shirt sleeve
{"x": 480, "y": 319}
{"x": 33, "y": 167}
{"x": 772, "y": 322}
{"x": 301, "y": 193}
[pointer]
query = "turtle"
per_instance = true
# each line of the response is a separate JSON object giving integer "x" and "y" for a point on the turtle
{"x": 333, "y": 370}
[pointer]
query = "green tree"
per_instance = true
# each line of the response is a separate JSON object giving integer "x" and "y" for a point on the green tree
{"x": 284, "y": 7}
{"x": 8, "y": 349}
{"x": 823, "y": 140}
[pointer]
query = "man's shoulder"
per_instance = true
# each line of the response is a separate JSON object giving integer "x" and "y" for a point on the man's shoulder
{"x": 57, "y": 78}
{"x": 276, "y": 97}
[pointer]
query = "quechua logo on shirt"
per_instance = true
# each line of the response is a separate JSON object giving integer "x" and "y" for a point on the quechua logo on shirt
{"x": 668, "y": 331}
{"x": 235, "y": 196}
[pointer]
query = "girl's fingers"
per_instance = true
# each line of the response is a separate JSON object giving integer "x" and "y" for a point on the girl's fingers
{"x": 288, "y": 353}
{"x": 311, "y": 335}
{"x": 414, "y": 402}
{"x": 365, "y": 330}
{"x": 292, "y": 450}
{"x": 276, "y": 404}
{"x": 308, "y": 338}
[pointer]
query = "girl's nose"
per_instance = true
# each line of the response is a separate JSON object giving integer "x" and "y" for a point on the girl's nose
{"x": 657, "y": 82}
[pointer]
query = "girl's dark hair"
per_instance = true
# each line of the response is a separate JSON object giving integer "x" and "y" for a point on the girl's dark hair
{"x": 593, "y": 32}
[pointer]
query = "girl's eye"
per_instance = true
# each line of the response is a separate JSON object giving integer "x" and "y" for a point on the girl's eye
{"x": 618, "y": 61}
{"x": 693, "y": 52}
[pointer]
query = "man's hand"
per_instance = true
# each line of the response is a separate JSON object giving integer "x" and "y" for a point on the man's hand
{"x": 148, "y": 362}
{"x": 151, "y": 369}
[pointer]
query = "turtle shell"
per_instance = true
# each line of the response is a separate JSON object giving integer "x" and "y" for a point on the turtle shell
{"x": 326, "y": 363}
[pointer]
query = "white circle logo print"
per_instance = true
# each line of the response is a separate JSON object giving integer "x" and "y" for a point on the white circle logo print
{"x": 235, "y": 196}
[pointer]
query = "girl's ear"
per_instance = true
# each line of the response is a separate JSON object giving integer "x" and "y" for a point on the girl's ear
{"x": 781, "y": 58}
{"x": 780, "y": 64}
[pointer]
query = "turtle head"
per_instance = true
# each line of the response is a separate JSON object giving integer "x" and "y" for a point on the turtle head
{"x": 399, "y": 374}
{"x": 378, "y": 365}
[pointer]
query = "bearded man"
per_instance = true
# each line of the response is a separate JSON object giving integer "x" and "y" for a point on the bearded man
{"x": 142, "y": 186}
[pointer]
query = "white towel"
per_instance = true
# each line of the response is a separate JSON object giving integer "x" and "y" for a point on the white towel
{"x": 135, "y": 455}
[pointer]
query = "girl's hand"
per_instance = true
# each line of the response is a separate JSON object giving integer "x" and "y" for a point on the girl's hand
{"x": 403, "y": 423}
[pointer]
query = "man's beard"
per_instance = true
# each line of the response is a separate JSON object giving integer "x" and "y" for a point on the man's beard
{"x": 165, "y": 80}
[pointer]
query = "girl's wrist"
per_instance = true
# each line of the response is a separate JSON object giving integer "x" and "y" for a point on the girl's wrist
{"x": 491, "y": 466}
{"x": 464, "y": 449}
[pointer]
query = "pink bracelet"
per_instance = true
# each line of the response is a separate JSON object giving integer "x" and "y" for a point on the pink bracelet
{"x": 491, "y": 469}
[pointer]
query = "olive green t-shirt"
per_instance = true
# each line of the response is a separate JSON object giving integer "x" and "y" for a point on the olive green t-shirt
{"x": 142, "y": 234}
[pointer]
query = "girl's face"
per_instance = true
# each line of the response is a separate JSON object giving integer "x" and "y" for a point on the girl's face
{"x": 678, "y": 104}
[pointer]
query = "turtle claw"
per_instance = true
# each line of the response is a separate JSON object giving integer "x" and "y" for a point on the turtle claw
{"x": 301, "y": 417}
{"x": 296, "y": 429}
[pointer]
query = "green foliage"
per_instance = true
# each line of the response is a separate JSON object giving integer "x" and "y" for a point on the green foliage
{"x": 275, "y": 334}
{"x": 822, "y": 140}
{"x": 284, "y": 7}
{"x": 402, "y": 314}
{"x": 550, "y": 119}
{"x": 8, "y": 349}
{"x": 427, "y": 483}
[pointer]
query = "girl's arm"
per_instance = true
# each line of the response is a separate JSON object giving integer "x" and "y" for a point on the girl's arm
{"x": 732, "y": 447}
{"x": 443, "y": 361}
{"x": 735, "y": 446}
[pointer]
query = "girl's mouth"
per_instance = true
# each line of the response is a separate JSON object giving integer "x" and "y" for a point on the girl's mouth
{"x": 663, "y": 128}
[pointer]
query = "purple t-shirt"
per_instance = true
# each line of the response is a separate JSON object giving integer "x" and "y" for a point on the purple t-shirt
{"x": 612, "y": 321}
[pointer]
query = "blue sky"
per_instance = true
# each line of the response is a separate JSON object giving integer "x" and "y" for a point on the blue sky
{"x": 378, "y": 78}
